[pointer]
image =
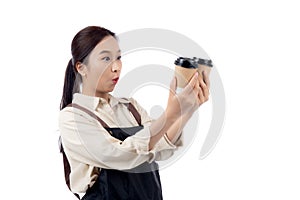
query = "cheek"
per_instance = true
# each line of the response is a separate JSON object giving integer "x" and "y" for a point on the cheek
{"x": 95, "y": 75}
{"x": 98, "y": 69}
{"x": 103, "y": 75}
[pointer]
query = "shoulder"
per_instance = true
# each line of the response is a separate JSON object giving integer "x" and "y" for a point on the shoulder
{"x": 65, "y": 113}
{"x": 131, "y": 100}
{"x": 138, "y": 106}
{"x": 70, "y": 114}
{"x": 144, "y": 115}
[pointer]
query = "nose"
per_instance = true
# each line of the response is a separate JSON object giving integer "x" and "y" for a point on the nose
{"x": 116, "y": 66}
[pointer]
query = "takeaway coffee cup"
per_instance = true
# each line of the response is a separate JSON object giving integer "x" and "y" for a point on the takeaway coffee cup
{"x": 204, "y": 65}
{"x": 185, "y": 68}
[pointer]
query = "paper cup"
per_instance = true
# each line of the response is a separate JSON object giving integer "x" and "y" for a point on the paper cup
{"x": 202, "y": 69}
{"x": 183, "y": 75}
{"x": 204, "y": 65}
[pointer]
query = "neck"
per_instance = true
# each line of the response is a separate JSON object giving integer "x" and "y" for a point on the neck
{"x": 104, "y": 95}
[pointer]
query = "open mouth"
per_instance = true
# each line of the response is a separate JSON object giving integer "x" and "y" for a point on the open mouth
{"x": 115, "y": 80}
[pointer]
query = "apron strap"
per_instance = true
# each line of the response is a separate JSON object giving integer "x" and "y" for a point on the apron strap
{"x": 67, "y": 168}
{"x": 135, "y": 113}
{"x": 130, "y": 107}
{"x": 74, "y": 105}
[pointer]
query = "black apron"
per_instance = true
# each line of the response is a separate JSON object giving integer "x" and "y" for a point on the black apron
{"x": 140, "y": 183}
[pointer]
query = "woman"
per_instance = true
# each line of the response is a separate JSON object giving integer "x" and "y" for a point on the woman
{"x": 110, "y": 144}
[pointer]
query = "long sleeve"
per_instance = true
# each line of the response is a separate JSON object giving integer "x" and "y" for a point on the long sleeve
{"x": 88, "y": 142}
{"x": 164, "y": 149}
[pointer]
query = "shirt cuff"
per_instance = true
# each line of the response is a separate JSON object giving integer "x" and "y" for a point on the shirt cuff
{"x": 164, "y": 144}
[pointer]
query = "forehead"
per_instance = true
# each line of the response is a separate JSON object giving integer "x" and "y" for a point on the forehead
{"x": 109, "y": 43}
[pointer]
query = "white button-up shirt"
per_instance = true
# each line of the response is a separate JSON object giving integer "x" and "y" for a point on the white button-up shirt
{"x": 89, "y": 147}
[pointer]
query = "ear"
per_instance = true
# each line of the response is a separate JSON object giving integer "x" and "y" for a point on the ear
{"x": 81, "y": 68}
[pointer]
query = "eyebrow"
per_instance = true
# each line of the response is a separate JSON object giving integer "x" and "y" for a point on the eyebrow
{"x": 107, "y": 51}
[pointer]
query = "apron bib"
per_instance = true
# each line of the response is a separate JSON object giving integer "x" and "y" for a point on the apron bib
{"x": 140, "y": 183}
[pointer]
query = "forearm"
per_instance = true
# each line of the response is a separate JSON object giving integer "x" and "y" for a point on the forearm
{"x": 174, "y": 132}
{"x": 177, "y": 113}
{"x": 159, "y": 127}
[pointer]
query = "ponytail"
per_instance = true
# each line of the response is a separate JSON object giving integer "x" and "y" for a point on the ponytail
{"x": 68, "y": 91}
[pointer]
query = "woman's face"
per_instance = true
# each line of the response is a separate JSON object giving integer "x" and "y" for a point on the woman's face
{"x": 103, "y": 67}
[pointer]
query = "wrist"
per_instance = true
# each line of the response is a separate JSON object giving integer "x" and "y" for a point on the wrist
{"x": 187, "y": 115}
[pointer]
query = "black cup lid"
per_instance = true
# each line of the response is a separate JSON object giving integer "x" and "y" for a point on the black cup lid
{"x": 202, "y": 61}
{"x": 186, "y": 62}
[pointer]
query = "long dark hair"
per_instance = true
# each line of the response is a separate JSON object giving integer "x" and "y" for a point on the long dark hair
{"x": 82, "y": 44}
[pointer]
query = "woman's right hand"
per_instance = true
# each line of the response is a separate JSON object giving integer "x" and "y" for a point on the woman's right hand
{"x": 189, "y": 99}
{"x": 179, "y": 105}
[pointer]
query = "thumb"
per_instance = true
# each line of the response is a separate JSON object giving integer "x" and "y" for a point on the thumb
{"x": 173, "y": 86}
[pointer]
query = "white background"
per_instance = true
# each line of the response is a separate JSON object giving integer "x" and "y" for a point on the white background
{"x": 255, "y": 46}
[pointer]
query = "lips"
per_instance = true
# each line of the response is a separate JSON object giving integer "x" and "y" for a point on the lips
{"x": 115, "y": 80}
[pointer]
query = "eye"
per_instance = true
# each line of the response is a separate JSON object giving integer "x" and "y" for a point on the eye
{"x": 119, "y": 58}
{"x": 106, "y": 58}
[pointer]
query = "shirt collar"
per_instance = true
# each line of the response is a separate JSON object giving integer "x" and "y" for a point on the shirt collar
{"x": 93, "y": 102}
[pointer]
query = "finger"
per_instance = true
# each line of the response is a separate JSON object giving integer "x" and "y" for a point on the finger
{"x": 205, "y": 90}
{"x": 200, "y": 96}
{"x": 206, "y": 78}
{"x": 190, "y": 86}
{"x": 173, "y": 86}
{"x": 196, "y": 89}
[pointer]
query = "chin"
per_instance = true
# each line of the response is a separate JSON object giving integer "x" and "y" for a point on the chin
{"x": 111, "y": 89}
{"x": 108, "y": 90}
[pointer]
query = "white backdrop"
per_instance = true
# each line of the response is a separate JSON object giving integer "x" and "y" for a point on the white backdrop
{"x": 255, "y": 46}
